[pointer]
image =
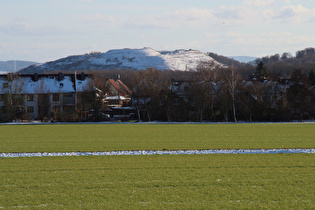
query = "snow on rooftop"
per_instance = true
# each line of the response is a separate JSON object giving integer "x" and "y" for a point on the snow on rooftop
{"x": 116, "y": 98}
{"x": 49, "y": 84}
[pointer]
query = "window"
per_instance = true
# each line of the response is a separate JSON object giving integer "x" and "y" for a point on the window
{"x": 60, "y": 85}
{"x": 176, "y": 101}
{"x": 30, "y": 97}
{"x": 68, "y": 108}
{"x": 55, "y": 97}
{"x": 68, "y": 99}
{"x": 5, "y": 85}
{"x": 68, "y": 95}
{"x": 30, "y": 109}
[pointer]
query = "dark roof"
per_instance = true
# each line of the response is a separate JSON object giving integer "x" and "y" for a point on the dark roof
{"x": 59, "y": 76}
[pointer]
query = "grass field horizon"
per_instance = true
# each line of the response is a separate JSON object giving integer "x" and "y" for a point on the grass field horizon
{"x": 226, "y": 181}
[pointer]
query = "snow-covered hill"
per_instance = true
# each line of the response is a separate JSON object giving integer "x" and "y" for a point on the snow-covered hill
{"x": 138, "y": 59}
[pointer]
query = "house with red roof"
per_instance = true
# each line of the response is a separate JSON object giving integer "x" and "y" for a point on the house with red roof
{"x": 118, "y": 94}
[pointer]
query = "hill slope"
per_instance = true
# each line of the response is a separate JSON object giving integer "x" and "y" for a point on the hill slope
{"x": 137, "y": 59}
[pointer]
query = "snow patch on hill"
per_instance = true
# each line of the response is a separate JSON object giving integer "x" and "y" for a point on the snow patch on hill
{"x": 138, "y": 59}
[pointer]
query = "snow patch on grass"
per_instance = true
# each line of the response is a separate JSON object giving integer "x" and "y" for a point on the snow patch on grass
{"x": 163, "y": 152}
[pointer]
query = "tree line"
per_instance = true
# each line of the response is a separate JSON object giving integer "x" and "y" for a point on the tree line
{"x": 214, "y": 93}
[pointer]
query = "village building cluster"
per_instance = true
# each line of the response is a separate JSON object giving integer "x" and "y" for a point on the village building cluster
{"x": 75, "y": 97}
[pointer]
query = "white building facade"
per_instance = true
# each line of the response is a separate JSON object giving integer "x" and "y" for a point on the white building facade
{"x": 41, "y": 95}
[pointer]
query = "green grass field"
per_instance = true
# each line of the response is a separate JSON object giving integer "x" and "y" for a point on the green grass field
{"x": 159, "y": 182}
{"x": 63, "y": 138}
{"x": 268, "y": 181}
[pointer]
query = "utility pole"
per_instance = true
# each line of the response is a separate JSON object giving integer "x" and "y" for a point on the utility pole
{"x": 75, "y": 91}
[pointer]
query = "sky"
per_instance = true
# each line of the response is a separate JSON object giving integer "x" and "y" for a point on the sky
{"x": 46, "y": 30}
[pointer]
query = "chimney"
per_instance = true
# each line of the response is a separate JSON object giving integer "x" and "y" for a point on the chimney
{"x": 60, "y": 76}
{"x": 35, "y": 77}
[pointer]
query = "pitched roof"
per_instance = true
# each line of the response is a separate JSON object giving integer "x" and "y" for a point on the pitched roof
{"x": 122, "y": 85}
{"x": 116, "y": 85}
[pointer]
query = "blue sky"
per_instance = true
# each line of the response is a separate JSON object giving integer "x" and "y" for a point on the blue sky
{"x": 45, "y": 30}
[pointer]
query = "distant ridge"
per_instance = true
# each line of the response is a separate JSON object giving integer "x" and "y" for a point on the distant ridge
{"x": 137, "y": 59}
{"x": 13, "y": 66}
{"x": 243, "y": 59}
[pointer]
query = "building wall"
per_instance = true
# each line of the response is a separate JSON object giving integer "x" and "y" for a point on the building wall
{"x": 57, "y": 91}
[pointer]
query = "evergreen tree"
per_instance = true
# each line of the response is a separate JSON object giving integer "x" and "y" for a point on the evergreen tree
{"x": 261, "y": 73}
{"x": 311, "y": 77}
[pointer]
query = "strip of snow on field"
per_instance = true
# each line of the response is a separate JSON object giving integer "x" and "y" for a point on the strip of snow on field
{"x": 161, "y": 152}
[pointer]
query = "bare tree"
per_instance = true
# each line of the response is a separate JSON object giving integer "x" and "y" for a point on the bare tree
{"x": 300, "y": 96}
{"x": 43, "y": 102}
{"x": 208, "y": 72}
{"x": 203, "y": 90}
{"x": 13, "y": 97}
{"x": 92, "y": 97}
{"x": 204, "y": 97}
{"x": 232, "y": 79}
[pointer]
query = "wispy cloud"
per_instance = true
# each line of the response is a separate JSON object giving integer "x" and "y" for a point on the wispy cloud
{"x": 99, "y": 18}
{"x": 192, "y": 18}
{"x": 27, "y": 27}
{"x": 293, "y": 14}
{"x": 228, "y": 27}
{"x": 248, "y": 13}
{"x": 189, "y": 17}
{"x": 261, "y": 44}
{"x": 192, "y": 14}
{"x": 259, "y": 3}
